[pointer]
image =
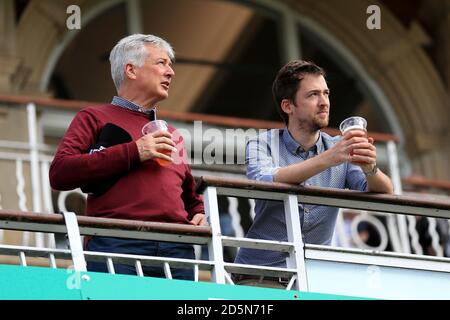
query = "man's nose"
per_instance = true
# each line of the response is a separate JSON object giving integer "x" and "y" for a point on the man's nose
{"x": 323, "y": 100}
{"x": 170, "y": 71}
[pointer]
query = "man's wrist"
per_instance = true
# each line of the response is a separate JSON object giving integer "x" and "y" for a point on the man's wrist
{"x": 372, "y": 172}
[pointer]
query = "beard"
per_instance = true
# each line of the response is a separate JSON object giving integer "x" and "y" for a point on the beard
{"x": 313, "y": 125}
{"x": 319, "y": 123}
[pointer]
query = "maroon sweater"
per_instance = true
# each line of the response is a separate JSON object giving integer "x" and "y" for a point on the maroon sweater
{"x": 146, "y": 191}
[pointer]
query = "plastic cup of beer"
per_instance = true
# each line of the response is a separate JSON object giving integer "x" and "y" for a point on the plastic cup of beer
{"x": 353, "y": 123}
{"x": 153, "y": 126}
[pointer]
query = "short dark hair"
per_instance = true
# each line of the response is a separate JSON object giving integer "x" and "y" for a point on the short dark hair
{"x": 287, "y": 81}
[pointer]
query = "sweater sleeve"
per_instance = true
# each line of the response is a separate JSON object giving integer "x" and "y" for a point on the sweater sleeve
{"x": 73, "y": 167}
{"x": 193, "y": 202}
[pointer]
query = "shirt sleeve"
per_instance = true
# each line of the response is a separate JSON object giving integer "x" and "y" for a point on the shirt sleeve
{"x": 73, "y": 167}
{"x": 355, "y": 179}
{"x": 258, "y": 158}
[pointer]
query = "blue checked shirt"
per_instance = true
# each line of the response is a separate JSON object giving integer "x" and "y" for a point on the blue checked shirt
{"x": 127, "y": 104}
{"x": 264, "y": 155}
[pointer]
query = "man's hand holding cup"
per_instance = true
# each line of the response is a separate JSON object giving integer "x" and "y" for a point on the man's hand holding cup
{"x": 363, "y": 151}
{"x": 156, "y": 143}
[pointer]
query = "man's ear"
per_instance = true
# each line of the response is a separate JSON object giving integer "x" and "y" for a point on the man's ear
{"x": 130, "y": 71}
{"x": 286, "y": 106}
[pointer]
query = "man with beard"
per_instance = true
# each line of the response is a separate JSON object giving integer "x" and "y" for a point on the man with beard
{"x": 301, "y": 154}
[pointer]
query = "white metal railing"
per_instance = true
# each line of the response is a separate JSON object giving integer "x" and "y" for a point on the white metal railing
{"x": 302, "y": 261}
{"x": 75, "y": 227}
{"x": 301, "y": 257}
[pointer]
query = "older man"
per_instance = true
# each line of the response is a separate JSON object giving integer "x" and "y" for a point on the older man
{"x": 104, "y": 153}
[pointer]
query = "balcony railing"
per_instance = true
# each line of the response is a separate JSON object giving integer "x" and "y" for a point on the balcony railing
{"x": 311, "y": 268}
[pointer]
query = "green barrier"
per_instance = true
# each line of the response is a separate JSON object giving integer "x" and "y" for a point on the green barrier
{"x": 40, "y": 283}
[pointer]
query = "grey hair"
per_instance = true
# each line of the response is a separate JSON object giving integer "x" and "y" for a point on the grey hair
{"x": 131, "y": 49}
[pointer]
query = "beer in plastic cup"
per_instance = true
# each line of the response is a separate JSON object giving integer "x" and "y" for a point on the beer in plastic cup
{"x": 153, "y": 126}
{"x": 353, "y": 123}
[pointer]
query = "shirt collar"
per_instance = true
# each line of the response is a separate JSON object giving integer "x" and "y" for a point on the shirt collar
{"x": 295, "y": 148}
{"x": 127, "y": 104}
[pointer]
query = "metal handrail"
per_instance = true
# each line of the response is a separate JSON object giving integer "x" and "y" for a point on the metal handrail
{"x": 333, "y": 197}
{"x": 90, "y": 226}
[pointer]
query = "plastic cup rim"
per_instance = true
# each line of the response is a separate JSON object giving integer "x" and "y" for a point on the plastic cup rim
{"x": 354, "y": 127}
{"x": 157, "y": 120}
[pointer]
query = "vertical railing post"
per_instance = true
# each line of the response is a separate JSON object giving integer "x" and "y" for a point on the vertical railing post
{"x": 34, "y": 164}
{"x": 296, "y": 257}
{"x": 215, "y": 245}
{"x": 47, "y": 196}
{"x": 75, "y": 243}
{"x": 20, "y": 190}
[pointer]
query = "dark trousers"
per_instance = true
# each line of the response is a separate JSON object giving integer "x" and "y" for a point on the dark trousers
{"x": 142, "y": 247}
